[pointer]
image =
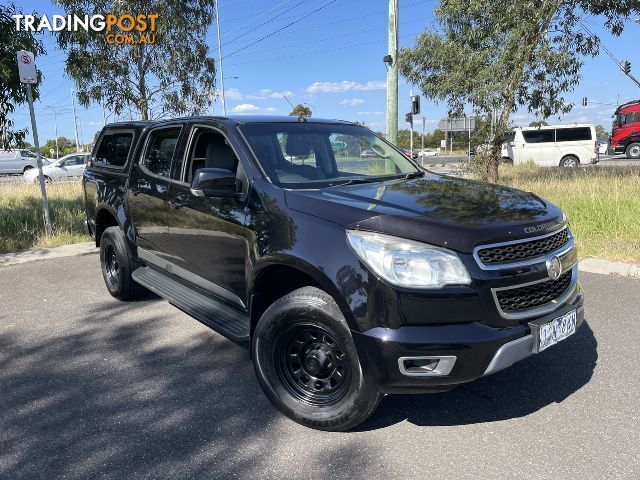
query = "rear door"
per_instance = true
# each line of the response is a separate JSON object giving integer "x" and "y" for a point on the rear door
{"x": 578, "y": 141}
{"x": 149, "y": 182}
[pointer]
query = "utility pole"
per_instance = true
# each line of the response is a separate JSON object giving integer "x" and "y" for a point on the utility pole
{"x": 224, "y": 106}
{"x": 422, "y": 144}
{"x": 411, "y": 130}
{"x": 392, "y": 74}
{"x": 55, "y": 126}
{"x": 75, "y": 120}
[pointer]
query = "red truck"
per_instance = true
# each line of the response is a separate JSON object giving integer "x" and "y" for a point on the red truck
{"x": 625, "y": 132}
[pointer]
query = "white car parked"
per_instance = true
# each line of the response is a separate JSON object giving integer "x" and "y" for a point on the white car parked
{"x": 18, "y": 161}
{"x": 69, "y": 167}
{"x": 554, "y": 145}
{"x": 428, "y": 152}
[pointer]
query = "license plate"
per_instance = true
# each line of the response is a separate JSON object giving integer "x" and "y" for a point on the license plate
{"x": 556, "y": 330}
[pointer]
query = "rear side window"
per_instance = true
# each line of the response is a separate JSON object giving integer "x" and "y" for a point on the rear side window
{"x": 538, "y": 136}
{"x": 114, "y": 149}
{"x": 573, "y": 134}
{"x": 159, "y": 152}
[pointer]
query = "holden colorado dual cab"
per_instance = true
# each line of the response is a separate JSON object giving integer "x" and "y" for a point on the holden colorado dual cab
{"x": 350, "y": 276}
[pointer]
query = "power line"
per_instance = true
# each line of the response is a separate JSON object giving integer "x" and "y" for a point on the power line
{"x": 280, "y": 29}
{"x": 261, "y": 15}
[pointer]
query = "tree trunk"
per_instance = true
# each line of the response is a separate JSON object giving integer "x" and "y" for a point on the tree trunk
{"x": 143, "y": 103}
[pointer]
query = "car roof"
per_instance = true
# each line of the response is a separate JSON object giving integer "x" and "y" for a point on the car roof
{"x": 231, "y": 119}
{"x": 549, "y": 127}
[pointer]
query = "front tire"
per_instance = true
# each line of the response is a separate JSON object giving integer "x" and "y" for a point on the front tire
{"x": 633, "y": 151}
{"x": 307, "y": 364}
{"x": 117, "y": 265}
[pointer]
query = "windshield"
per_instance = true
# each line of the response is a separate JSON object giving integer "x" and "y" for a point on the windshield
{"x": 312, "y": 155}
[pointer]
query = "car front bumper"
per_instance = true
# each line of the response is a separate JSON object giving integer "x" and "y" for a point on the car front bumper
{"x": 478, "y": 349}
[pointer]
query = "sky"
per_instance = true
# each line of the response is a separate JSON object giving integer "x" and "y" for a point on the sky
{"x": 331, "y": 61}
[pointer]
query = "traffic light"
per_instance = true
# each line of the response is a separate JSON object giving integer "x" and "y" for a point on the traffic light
{"x": 626, "y": 67}
{"x": 584, "y": 101}
{"x": 409, "y": 118}
{"x": 415, "y": 104}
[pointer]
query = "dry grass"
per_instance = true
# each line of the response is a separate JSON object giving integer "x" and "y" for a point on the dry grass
{"x": 601, "y": 203}
{"x": 21, "y": 218}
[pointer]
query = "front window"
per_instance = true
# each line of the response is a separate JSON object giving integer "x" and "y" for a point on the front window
{"x": 312, "y": 155}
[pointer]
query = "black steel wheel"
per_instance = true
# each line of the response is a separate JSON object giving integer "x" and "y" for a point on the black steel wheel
{"x": 117, "y": 265}
{"x": 307, "y": 364}
{"x": 312, "y": 365}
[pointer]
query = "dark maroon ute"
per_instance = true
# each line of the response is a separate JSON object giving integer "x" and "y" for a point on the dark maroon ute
{"x": 349, "y": 275}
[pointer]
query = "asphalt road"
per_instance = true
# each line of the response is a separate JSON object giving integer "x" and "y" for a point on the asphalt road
{"x": 91, "y": 387}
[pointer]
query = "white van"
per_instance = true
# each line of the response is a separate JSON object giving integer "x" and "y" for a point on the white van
{"x": 18, "y": 161}
{"x": 553, "y": 146}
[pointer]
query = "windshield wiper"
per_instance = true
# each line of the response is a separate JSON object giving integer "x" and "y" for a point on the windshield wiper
{"x": 353, "y": 181}
{"x": 414, "y": 175}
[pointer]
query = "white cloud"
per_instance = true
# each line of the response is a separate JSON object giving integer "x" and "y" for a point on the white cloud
{"x": 245, "y": 108}
{"x": 345, "y": 86}
{"x": 233, "y": 94}
{"x": 270, "y": 109}
{"x": 352, "y": 101}
{"x": 370, "y": 113}
{"x": 267, "y": 93}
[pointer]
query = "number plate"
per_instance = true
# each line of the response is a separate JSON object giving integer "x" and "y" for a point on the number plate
{"x": 556, "y": 330}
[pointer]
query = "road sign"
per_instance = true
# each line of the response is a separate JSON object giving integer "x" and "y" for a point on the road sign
{"x": 457, "y": 124}
{"x": 339, "y": 144}
{"x": 443, "y": 144}
{"x": 26, "y": 67}
{"x": 27, "y": 73}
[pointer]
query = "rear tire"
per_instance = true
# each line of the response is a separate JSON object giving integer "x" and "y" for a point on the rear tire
{"x": 633, "y": 151}
{"x": 570, "y": 161}
{"x": 117, "y": 265}
{"x": 307, "y": 364}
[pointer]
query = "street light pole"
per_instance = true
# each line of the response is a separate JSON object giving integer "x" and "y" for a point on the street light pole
{"x": 75, "y": 121}
{"x": 224, "y": 107}
{"x": 55, "y": 126}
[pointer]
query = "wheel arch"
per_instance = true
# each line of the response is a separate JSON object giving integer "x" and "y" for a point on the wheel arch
{"x": 105, "y": 217}
{"x": 274, "y": 279}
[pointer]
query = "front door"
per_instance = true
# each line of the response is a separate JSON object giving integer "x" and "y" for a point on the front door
{"x": 207, "y": 235}
{"x": 148, "y": 188}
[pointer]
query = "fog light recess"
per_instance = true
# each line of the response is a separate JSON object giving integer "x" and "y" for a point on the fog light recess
{"x": 426, "y": 366}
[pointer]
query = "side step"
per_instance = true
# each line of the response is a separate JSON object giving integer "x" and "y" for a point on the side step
{"x": 226, "y": 320}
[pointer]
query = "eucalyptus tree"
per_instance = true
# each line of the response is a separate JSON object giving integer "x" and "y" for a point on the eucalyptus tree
{"x": 169, "y": 73}
{"x": 501, "y": 55}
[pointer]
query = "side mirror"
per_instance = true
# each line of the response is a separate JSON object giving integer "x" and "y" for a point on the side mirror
{"x": 214, "y": 182}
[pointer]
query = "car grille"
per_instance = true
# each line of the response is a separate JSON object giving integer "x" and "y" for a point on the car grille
{"x": 532, "y": 296}
{"x": 516, "y": 252}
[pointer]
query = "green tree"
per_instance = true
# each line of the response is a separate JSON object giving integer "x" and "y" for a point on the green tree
{"x": 12, "y": 92}
{"x": 173, "y": 76}
{"x": 601, "y": 133}
{"x": 500, "y": 54}
{"x": 300, "y": 111}
{"x": 65, "y": 146}
{"x": 541, "y": 123}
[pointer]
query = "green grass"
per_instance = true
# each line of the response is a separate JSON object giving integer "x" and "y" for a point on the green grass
{"x": 21, "y": 218}
{"x": 601, "y": 203}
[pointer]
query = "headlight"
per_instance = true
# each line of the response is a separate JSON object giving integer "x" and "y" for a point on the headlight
{"x": 407, "y": 263}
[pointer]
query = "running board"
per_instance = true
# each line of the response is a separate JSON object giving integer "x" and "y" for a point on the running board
{"x": 224, "y": 319}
